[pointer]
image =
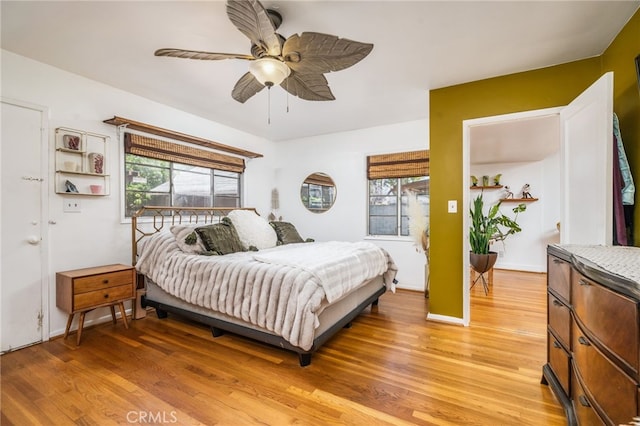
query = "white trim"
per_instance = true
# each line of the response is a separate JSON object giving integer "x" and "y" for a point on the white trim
{"x": 466, "y": 167}
{"x": 46, "y": 188}
{"x": 447, "y": 319}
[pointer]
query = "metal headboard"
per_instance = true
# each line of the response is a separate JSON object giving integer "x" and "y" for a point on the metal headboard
{"x": 156, "y": 218}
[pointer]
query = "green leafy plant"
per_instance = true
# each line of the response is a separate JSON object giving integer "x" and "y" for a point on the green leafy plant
{"x": 494, "y": 226}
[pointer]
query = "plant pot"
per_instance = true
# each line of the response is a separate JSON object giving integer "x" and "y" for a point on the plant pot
{"x": 481, "y": 263}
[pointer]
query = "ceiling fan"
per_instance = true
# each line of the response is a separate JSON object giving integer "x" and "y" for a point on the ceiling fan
{"x": 297, "y": 63}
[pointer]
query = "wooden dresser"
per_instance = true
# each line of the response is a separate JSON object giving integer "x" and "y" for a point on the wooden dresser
{"x": 594, "y": 332}
{"x": 82, "y": 290}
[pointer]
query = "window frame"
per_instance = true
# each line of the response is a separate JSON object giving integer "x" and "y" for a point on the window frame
{"x": 171, "y": 168}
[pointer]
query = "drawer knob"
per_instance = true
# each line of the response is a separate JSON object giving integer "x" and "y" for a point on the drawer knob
{"x": 556, "y": 344}
{"x": 556, "y": 303}
{"x": 584, "y": 401}
{"x": 583, "y": 282}
{"x": 106, "y": 296}
{"x": 105, "y": 281}
{"x": 583, "y": 341}
{"x": 557, "y": 261}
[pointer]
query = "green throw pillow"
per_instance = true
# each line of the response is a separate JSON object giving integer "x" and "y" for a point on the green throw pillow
{"x": 287, "y": 233}
{"x": 221, "y": 238}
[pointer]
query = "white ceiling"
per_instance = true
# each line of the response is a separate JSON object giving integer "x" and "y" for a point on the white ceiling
{"x": 418, "y": 46}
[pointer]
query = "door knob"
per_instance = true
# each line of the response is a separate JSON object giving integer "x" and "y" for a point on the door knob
{"x": 33, "y": 240}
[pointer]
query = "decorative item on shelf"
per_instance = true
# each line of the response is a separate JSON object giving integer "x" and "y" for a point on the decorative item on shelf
{"x": 507, "y": 192}
{"x": 95, "y": 189}
{"x": 70, "y": 166}
{"x": 485, "y": 180}
{"x": 496, "y": 179}
{"x": 487, "y": 229}
{"x": 70, "y": 187}
{"x": 525, "y": 191}
{"x": 96, "y": 163}
{"x": 474, "y": 181}
{"x": 71, "y": 142}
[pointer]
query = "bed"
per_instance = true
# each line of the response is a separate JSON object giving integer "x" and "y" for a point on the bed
{"x": 288, "y": 292}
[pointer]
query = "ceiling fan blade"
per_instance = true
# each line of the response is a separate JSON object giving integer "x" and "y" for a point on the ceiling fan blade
{"x": 310, "y": 87}
{"x": 246, "y": 87}
{"x": 195, "y": 54}
{"x": 251, "y": 18}
{"x": 317, "y": 53}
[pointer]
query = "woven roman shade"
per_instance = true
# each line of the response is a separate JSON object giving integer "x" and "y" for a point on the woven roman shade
{"x": 319, "y": 179}
{"x": 169, "y": 151}
{"x": 398, "y": 165}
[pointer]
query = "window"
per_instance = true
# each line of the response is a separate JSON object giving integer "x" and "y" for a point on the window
{"x": 391, "y": 177}
{"x": 159, "y": 173}
{"x": 388, "y": 209}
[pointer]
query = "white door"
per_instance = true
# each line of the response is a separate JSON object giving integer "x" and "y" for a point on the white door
{"x": 587, "y": 162}
{"x": 21, "y": 281}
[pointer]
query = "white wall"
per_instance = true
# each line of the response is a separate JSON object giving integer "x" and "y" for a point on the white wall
{"x": 96, "y": 235}
{"x": 343, "y": 157}
{"x": 525, "y": 251}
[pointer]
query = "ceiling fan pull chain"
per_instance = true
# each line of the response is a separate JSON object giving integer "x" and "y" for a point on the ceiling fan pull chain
{"x": 287, "y": 96}
{"x": 269, "y": 105}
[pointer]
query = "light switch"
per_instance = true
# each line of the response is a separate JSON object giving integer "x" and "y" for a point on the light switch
{"x": 452, "y": 206}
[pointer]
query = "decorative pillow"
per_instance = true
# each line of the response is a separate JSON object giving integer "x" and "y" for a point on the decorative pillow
{"x": 188, "y": 239}
{"x": 287, "y": 233}
{"x": 220, "y": 238}
{"x": 253, "y": 230}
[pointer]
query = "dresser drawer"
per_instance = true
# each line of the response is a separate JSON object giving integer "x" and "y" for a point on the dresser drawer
{"x": 107, "y": 296}
{"x": 612, "y": 390}
{"x": 559, "y": 277}
{"x": 559, "y": 319}
{"x": 585, "y": 413}
{"x": 609, "y": 317}
{"x": 101, "y": 281}
{"x": 559, "y": 361}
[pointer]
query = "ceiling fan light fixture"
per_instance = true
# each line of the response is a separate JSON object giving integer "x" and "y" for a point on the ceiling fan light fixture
{"x": 269, "y": 71}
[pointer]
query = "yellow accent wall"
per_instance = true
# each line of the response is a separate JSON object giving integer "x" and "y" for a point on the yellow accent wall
{"x": 543, "y": 88}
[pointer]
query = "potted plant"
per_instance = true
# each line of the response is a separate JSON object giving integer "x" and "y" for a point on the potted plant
{"x": 485, "y": 229}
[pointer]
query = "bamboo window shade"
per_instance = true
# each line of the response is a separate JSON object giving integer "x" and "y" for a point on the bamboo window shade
{"x": 319, "y": 179}
{"x": 169, "y": 151}
{"x": 398, "y": 165}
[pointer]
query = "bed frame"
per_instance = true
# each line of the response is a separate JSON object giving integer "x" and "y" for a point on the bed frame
{"x": 159, "y": 217}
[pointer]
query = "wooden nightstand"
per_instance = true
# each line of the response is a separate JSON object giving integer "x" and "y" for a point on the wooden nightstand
{"x": 82, "y": 290}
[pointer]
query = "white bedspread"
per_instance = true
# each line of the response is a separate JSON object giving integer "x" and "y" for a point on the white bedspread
{"x": 276, "y": 288}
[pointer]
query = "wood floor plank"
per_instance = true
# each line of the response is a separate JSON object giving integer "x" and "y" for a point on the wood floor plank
{"x": 391, "y": 367}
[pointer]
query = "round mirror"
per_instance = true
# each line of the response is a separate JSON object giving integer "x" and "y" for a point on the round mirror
{"x": 318, "y": 192}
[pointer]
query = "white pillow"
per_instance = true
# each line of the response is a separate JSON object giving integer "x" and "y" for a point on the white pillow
{"x": 181, "y": 232}
{"x": 253, "y": 230}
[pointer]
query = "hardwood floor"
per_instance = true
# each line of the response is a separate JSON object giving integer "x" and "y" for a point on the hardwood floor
{"x": 392, "y": 367}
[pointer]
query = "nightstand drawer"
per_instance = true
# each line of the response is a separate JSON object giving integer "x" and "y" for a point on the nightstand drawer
{"x": 101, "y": 281}
{"x": 105, "y": 296}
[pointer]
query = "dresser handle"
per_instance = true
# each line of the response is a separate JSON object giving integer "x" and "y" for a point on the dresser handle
{"x": 584, "y": 401}
{"x": 556, "y": 261}
{"x": 106, "y": 296}
{"x": 556, "y": 303}
{"x": 105, "y": 281}
{"x": 556, "y": 344}
{"x": 582, "y": 281}
{"x": 583, "y": 341}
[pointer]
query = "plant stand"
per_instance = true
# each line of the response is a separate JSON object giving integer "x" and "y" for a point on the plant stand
{"x": 483, "y": 264}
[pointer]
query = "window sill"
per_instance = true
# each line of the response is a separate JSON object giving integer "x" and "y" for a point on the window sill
{"x": 395, "y": 238}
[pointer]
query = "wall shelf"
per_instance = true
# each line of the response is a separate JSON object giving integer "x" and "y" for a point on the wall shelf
{"x": 486, "y": 187}
{"x": 81, "y": 163}
{"x": 518, "y": 200}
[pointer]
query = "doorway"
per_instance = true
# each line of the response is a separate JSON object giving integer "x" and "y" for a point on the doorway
{"x": 24, "y": 283}
{"x": 586, "y": 159}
